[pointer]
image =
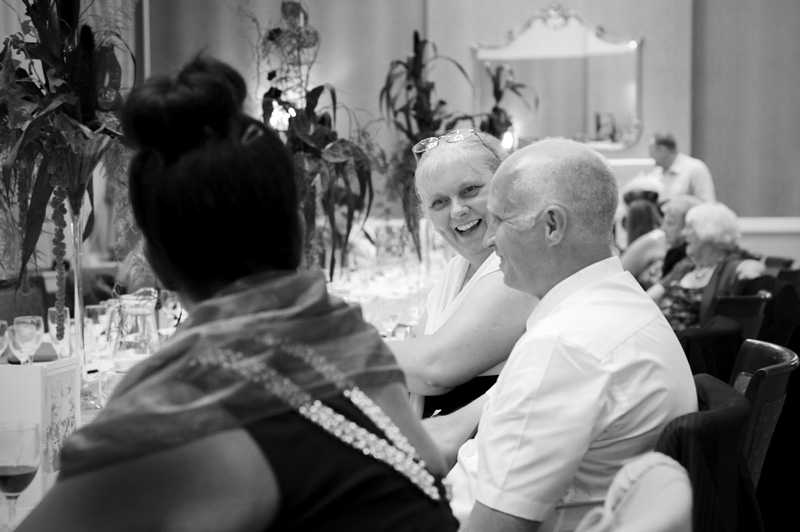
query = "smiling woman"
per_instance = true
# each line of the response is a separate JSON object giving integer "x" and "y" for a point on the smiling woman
{"x": 472, "y": 319}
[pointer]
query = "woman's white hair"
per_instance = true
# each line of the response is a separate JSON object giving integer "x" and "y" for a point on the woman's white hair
{"x": 714, "y": 223}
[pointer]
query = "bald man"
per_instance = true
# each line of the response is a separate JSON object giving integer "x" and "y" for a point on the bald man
{"x": 598, "y": 372}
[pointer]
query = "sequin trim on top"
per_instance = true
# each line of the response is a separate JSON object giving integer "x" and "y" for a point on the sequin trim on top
{"x": 397, "y": 452}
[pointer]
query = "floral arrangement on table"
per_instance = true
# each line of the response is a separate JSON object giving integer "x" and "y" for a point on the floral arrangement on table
{"x": 59, "y": 94}
{"x": 408, "y": 101}
{"x": 325, "y": 162}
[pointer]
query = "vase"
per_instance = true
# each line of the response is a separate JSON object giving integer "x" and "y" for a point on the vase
{"x": 88, "y": 399}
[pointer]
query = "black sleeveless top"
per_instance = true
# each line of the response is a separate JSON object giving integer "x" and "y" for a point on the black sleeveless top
{"x": 458, "y": 397}
{"x": 326, "y": 485}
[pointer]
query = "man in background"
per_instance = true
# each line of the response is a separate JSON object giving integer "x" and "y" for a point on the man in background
{"x": 679, "y": 173}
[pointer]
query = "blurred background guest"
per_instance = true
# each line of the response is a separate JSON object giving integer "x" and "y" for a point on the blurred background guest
{"x": 274, "y": 406}
{"x": 472, "y": 318}
{"x": 713, "y": 265}
{"x": 653, "y": 255}
{"x": 679, "y": 173}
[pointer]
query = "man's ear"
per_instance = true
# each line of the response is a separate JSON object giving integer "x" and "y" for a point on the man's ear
{"x": 555, "y": 224}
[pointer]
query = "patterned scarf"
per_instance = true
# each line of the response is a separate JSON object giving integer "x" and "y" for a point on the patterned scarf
{"x": 224, "y": 365}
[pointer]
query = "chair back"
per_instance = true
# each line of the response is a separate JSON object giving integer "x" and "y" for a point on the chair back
{"x": 708, "y": 443}
{"x": 782, "y": 461}
{"x": 774, "y": 264}
{"x": 712, "y": 348}
{"x": 761, "y": 373}
{"x": 747, "y": 310}
{"x": 791, "y": 277}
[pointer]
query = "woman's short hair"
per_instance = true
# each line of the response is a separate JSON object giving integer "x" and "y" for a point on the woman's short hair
{"x": 474, "y": 154}
{"x": 714, "y": 223}
{"x": 206, "y": 178}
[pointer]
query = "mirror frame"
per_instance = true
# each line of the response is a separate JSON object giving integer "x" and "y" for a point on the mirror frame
{"x": 556, "y": 17}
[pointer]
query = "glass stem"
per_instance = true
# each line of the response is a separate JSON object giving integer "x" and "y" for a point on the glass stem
{"x": 11, "y": 503}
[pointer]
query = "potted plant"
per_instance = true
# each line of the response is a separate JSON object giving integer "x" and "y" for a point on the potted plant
{"x": 409, "y": 103}
{"x": 324, "y": 161}
{"x": 59, "y": 94}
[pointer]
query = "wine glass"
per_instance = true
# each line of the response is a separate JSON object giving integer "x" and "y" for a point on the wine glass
{"x": 3, "y": 336}
{"x": 61, "y": 346}
{"x": 23, "y": 341}
{"x": 19, "y": 460}
{"x": 97, "y": 317}
{"x": 38, "y": 324}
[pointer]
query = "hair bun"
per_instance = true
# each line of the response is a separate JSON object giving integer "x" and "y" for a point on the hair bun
{"x": 175, "y": 114}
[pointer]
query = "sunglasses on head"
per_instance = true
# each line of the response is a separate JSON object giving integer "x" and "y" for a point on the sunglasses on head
{"x": 454, "y": 135}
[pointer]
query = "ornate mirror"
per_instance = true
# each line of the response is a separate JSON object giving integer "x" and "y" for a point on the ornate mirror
{"x": 576, "y": 80}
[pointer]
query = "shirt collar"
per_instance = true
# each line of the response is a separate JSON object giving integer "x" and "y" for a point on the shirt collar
{"x": 675, "y": 168}
{"x": 592, "y": 274}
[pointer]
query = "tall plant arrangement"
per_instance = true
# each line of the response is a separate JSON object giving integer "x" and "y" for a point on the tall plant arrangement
{"x": 408, "y": 100}
{"x": 59, "y": 94}
{"x": 325, "y": 162}
{"x": 497, "y": 121}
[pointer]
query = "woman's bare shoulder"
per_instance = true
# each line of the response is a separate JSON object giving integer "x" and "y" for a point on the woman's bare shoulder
{"x": 221, "y": 482}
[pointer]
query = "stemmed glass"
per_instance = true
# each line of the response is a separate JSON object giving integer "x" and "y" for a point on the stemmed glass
{"x": 23, "y": 341}
{"x": 61, "y": 346}
{"x": 19, "y": 460}
{"x": 38, "y": 324}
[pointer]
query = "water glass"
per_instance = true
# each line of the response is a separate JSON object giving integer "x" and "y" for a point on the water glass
{"x": 62, "y": 345}
{"x": 23, "y": 340}
{"x": 38, "y": 324}
{"x": 96, "y": 334}
{"x": 3, "y": 336}
{"x": 109, "y": 380}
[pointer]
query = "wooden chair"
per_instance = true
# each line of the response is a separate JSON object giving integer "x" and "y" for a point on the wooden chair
{"x": 748, "y": 311}
{"x": 782, "y": 461}
{"x": 792, "y": 277}
{"x": 712, "y": 348}
{"x": 775, "y": 264}
{"x": 761, "y": 373}
{"x": 708, "y": 443}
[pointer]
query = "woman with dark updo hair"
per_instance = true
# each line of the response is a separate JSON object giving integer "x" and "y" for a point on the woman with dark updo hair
{"x": 274, "y": 406}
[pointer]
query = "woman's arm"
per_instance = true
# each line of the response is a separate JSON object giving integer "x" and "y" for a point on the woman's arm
{"x": 644, "y": 250}
{"x": 222, "y": 482}
{"x": 477, "y": 337}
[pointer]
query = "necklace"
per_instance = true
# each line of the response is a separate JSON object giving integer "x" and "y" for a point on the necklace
{"x": 702, "y": 271}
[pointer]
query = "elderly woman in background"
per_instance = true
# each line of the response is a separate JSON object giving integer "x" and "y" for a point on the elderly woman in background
{"x": 654, "y": 254}
{"x": 472, "y": 319}
{"x": 274, "y": 406}
{"x": 713, "y": 264}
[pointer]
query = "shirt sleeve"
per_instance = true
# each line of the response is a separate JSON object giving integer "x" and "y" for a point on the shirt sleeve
{"x": 537, "y": 427}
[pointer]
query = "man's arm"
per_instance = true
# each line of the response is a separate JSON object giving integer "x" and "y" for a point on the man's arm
{"x": 702, "y": 184}
{"x": 451, "y": 431}
{"x": 484, "y": 518}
